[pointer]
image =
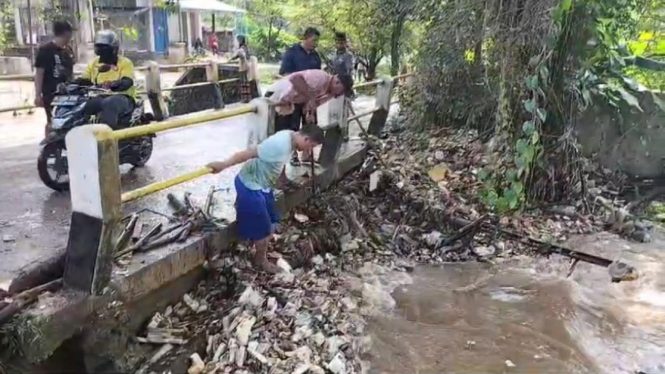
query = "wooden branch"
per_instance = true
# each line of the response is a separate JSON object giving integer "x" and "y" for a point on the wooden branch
{"x": 541, "y": 246}
{"x": 464, "y": 231}
{"x": 656, "y": 192}
{"x": 26, "y": 298}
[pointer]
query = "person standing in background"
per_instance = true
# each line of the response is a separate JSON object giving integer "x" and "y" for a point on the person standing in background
{"x": 302, "y": 56}
{"x": 54, "y": 64}
{"x": 213, "y": 42}
{"x": 342, "y": 61}
{"x": 242, "y": 54}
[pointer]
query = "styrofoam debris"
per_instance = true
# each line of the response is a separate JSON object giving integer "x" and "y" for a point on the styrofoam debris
{"x": 317, "y": 260}
{"x": 251, "y": 297}
{"x": 301, "y": 218}
{"x": 316, "y": 369}
{"x": 244, "y": 329}
{"x": 241, "y": 354}
{"x": 197, "y": 364}
{"x": 285, "y": 266}
{"x": 193, "y": 304}
{"x": 318, "y": 339}
{"x": 337, "y": 365}
{"x": 349, "y": 304}
{"x": 302, "y": 368}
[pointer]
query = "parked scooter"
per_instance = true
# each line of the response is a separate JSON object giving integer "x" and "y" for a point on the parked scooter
{"x": 68, "y": 113}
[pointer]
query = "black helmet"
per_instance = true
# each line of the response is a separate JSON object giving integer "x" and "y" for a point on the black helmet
{"x": 107, "y": 38}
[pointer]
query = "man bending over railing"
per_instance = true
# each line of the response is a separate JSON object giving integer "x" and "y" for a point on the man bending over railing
{"x": 305, "y": 90}
{"x": 264, "y": 169}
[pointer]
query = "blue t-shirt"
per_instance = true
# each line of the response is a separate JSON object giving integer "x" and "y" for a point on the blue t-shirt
{"x": 261, "y": 173}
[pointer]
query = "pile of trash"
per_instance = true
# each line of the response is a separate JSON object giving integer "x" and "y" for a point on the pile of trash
{"x": 341, "y": 255}
{"x": 303, "y": 320}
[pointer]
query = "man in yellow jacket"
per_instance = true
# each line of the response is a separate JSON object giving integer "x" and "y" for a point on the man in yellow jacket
{"x": 113, "y": 72}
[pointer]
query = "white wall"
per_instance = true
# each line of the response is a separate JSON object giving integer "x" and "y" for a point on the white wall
{"x": 174, "y": 28}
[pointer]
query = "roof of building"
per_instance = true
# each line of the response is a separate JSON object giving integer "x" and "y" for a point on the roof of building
{"x": 209, "y": 5}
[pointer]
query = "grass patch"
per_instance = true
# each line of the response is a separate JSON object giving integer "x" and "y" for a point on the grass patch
{"x": 656, "y": 212}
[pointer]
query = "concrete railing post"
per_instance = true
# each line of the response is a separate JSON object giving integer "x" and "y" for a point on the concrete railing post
{"x": 333, "y": 118}
{"x": 212, "y": 75}
{"x": 262, "y": 123}
{"x": 253, "y": 74}
{"x": 96, "y": 207}
{"x": 383, "y": 95}
{"x": 153, "y": 85}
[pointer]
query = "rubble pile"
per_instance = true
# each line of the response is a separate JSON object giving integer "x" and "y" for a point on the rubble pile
{"x": 304, "y": 320}
{"x": 341, "y": 256}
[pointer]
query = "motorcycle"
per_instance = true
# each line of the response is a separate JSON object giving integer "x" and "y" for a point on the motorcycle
{"x": 68, "y": 113}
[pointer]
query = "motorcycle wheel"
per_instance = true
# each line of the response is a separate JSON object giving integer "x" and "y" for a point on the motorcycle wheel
{"x": 145, "y": 152}
{"x": 52, "y": 167}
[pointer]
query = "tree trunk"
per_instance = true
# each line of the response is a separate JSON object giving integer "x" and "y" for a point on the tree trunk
{"x": 372, "y": 62}
{"x": 269, "y": 46}
{"x": 481, "y": 23}
{"x": 395, "y": 37}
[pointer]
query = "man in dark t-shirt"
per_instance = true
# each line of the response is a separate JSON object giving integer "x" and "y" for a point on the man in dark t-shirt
{"x": 342, "y": 60}
{"x": 302, "y": 56}
{"x": 54, "y": 64}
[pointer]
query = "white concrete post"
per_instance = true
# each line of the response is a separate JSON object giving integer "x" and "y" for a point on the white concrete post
{"x": 262, "y": 123}
{"x": 151, "y": 30}
{"x": 94, "y": 180}
{"x": 17, "y": 25}
{"x": 331, "y": 117}
{"x": 253, "y": 73}
{"x": 383, "y": 95}
{"x": 153, "y": 85}
{"x": 331, "y": 113}
{"x": 198, "y": 30}
{"x": 188, "y": 32}
{"x": 212, "y": 75}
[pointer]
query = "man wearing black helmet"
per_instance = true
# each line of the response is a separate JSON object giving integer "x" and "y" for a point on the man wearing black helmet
{"x": 113, "y": 72}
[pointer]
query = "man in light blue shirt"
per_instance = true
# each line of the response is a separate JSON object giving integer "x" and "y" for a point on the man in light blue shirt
{"x": 262, "y": 172}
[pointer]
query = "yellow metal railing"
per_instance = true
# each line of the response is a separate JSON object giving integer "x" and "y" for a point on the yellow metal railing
{"x": 375, "y": 82}
{"x": 363, "y": 114}
{"x": 159, "y": 186}
{"x": 189, "y": 85}
{"x": 402, "y": 76}
{"x": 17, "y": 77}
{"x": 153, "y": 128}
{"x": 17, "y": 108}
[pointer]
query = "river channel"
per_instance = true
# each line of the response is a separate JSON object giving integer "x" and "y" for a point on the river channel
{"x": 524, "y": 315}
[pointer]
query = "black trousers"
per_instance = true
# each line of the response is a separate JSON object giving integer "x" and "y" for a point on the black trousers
{"x": 291, "y": 121}
{"x": 110, "y": 108}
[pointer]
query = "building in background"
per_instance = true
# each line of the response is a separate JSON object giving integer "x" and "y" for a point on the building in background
{"x": 147, "y": 28}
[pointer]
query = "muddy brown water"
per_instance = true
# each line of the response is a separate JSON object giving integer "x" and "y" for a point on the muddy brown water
{"x": 525, "y": 316}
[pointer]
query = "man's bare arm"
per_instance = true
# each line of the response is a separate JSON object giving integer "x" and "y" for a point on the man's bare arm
{"x": 236, "y": 159}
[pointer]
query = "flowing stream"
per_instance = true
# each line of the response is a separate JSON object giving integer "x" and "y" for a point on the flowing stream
{"x": 524, "y": 315}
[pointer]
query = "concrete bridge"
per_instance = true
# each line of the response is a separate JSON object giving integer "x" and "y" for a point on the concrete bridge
{"x": 36, "y": 221}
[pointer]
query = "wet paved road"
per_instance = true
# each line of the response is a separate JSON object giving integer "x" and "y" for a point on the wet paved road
{"x": 34, "y": 220}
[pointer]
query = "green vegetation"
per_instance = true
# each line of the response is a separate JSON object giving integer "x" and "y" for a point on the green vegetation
{"x": 520, "y": 71}
{"x": 377, "y": 30}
